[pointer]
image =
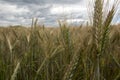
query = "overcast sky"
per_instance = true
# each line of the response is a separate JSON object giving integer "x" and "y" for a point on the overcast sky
{"x": 47, "y": 11}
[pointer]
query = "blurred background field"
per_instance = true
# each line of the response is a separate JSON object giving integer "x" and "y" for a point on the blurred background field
{"x": 47, "y": 53}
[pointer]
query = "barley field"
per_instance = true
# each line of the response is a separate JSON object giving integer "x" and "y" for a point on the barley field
{"x": 90, "y": 52}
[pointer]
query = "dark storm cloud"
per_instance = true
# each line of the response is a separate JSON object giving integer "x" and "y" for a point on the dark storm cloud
{"x": 11, "y": 15}
{"x": 42, "y": 1}
{"x": 47, "y": 11}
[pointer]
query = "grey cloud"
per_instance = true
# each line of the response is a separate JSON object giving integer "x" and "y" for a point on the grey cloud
{"x": 21, "y": 2}
{"x": 39, "y": 9}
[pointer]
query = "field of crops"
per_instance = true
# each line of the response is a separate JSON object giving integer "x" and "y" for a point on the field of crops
{"x": 64, "y": 52}
{"x": 56, "y": 53}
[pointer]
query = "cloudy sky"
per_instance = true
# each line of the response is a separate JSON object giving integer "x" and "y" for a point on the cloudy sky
{"x": 47, "y": 11}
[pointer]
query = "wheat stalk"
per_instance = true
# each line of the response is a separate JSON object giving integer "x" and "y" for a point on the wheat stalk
{"x": 97, "y": 24}
{"x": 15, "y": 71}
{"x": 72, "y": 66}
{"x": 101, "y": 30}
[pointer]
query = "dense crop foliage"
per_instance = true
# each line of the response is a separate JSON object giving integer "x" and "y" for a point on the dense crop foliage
{"x": 56, "y": 54}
